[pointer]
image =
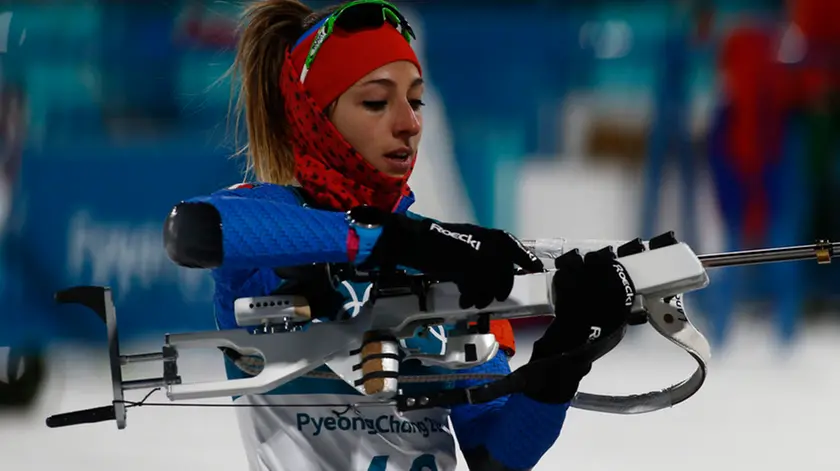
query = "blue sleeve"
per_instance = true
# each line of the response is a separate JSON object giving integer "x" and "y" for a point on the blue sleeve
{"x": 267, "y": 226}
{"x": 515, "y": 430}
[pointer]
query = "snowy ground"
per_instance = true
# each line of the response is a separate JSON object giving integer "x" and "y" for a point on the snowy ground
{"x": 762, "y": 409}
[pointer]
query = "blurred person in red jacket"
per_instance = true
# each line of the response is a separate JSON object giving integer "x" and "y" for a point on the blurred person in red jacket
{"x": 767, "y": 73}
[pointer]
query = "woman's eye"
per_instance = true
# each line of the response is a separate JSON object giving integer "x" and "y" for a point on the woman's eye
{"x": 417, "y": 104}
{"x": 375, "y": 105}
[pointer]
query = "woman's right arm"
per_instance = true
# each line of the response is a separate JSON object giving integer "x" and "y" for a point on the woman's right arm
{"x": 260, "y": 226}
{"x": 265, "y": 226}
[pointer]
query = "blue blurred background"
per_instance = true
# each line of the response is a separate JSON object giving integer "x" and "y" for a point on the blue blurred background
{"x": 598, "y": 119}
{"x": 581, "y": 119}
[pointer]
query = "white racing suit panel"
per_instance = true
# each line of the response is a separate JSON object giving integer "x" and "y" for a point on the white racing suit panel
{"x": 367, "y": 438}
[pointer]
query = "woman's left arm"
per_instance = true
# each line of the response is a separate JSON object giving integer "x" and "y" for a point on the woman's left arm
{"x": 511, "y": 433}
{"x": 514, "y": 433}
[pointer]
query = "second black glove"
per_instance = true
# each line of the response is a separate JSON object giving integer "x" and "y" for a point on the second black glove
{"x": 593, "y": 301}
{"x": 481, "y": 261}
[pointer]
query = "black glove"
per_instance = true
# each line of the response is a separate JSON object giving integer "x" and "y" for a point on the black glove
{"x": 593, "y": 297}
{"x": 482, "y": 262}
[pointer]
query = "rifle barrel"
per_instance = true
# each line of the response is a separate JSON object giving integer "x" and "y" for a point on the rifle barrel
{"x": 822, "y": 251}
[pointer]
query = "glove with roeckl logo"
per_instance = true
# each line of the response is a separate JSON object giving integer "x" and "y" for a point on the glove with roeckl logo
{"x": 480, "y": 261}
{"x": 594, "y": 298}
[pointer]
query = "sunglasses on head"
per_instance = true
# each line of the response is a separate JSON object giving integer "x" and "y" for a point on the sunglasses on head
{"x": 356, "y": 16}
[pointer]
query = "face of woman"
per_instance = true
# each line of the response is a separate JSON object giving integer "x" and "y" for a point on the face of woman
{"x": 380, "y": 117}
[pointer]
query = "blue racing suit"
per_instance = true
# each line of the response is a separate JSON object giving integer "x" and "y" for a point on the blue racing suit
{"x": 267, "y": 228}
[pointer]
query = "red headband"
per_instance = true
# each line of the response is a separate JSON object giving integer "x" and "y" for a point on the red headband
{"x": 344, "y": 58}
